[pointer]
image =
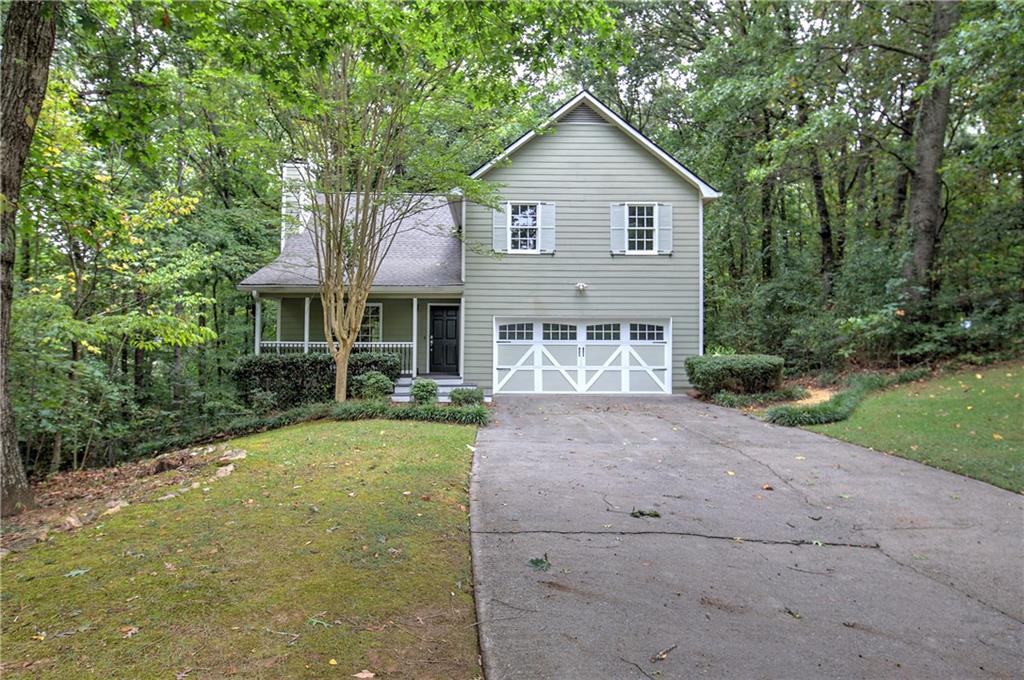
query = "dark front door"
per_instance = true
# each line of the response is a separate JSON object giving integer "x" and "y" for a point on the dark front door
{"x": 444, "y": 339}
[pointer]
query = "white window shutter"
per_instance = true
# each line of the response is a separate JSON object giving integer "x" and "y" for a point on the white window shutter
{"x": 546, "y": 226}
{"x": 664, "y": 227}
{"x": 618, "y": 228}
{"x": 499, "y": 229}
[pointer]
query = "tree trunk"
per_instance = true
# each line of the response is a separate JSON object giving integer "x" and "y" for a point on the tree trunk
{"x": 29, "y": 32}
{"x": 828, "y": 256}
{"x": 925, "y": 213}
{"x": 341, "y": 373}
{"x": 767, "y": 246}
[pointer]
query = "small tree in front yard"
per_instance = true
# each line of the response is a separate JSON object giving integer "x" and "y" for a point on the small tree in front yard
{"x": 389, "y": 105}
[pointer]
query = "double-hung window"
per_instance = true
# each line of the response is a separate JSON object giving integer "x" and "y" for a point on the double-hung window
{"x": 371, "y": 328}
{"x": 641, "y": 230}
{"x": 523, "y": 228}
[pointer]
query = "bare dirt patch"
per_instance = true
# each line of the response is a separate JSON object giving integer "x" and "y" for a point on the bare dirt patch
{"x": 816, "y": 396}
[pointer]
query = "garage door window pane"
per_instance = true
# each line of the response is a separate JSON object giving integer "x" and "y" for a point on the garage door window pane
{"x": 559, "y": 331}
{"x": 508, "y": 332}
{"x": 603, "y": 331}
{"x": 646, "y": 332}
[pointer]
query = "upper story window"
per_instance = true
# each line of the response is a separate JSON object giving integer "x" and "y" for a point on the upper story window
{"x": 372, "y": 328}
{"x": 641, "y": 232}
{"x": 524, "y": 227}
{"x": 509, "y": 332}
{"x": 523, "y": 234}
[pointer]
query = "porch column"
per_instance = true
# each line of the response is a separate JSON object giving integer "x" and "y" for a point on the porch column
{"x": 415, "y": 333}
{"x": 259, "y": 323}
{"x": 305, "y": 325}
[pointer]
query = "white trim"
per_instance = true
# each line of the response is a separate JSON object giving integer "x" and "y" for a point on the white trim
{"x": 280, "y": 310}
{"x": 508, "y": 228}
{"x": 430, "y": 328}
{"x": 653, "y": 251}
{"x": 415, "y": 333}
{"x": 706, "y": 191}
{"x": 305, "y": 324}
{"x": 462, "y": 334}
{"x": 462, "y": 229}
{"x": 700, "y": 281}
{"x": 257, "y": 332}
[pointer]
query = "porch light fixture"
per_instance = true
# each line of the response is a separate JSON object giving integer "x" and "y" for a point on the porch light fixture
{"x": 581, "y": 287}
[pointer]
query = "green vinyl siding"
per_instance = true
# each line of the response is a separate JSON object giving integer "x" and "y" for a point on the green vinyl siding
{"x": 583, "y": 168}
{"x": 396, "y": 318}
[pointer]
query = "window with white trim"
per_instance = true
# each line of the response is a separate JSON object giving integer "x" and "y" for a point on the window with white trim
{"x": 559, "y": 331}
{"x": 641, "y": 230}
{"x": 522, "y": 226}
{"x": 371, "y": 328}
{"x": 646, "y": 332}
{"x": 603, "y": 332}
{"x": 509, "y": 332}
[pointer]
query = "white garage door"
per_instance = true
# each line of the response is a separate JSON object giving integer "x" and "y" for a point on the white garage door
{"x": 593, "y": 357}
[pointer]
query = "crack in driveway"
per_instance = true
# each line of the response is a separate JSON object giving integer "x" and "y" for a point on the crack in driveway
{"x": 684, "y": 534}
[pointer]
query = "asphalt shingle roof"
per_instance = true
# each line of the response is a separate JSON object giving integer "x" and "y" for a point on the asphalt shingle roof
{"x": 426, "y": 252}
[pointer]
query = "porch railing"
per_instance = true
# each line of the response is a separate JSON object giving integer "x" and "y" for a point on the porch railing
{"x": 402, "y": 349}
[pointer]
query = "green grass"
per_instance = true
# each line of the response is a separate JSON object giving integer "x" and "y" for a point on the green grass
{"x": 961, "y": 422}
{"x": 311, "y": 551}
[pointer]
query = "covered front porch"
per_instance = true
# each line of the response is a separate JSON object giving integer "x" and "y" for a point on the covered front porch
{"x": 425, "y": 331}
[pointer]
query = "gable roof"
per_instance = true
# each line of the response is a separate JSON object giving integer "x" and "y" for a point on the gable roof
{"x": 426, "y": 253}
{"x": 707, "y": 192}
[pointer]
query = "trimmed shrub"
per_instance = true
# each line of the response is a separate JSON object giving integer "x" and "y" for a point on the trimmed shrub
{"x": 739, "y": 373}
{"x": 388, "y": 363}
{"x": 842, "y": 404}
{"x": 293, "y": 378}
{"x": 464, "y": 396}
{"x": 296, "y": 379}
{"x": 424, "y": 391}
{"x": 733, "y": 400}
{"x": 347, "y": 411}
{"x": 372, "y": 385}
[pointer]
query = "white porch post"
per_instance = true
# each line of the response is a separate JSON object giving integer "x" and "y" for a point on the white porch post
{"x": 259, "y": 323}
{"x": 305, "y": 325}
{"x": 415, "y": 333}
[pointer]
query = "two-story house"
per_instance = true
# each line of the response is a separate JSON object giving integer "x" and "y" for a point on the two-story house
{"x": 587, "y": 279}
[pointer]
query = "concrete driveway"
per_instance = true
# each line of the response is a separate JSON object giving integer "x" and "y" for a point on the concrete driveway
{"x": 778, "y": 553}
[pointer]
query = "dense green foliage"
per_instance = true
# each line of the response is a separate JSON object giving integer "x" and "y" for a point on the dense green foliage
{"x": 804, "y": 115}
{"x": 345, "y": 411}
{"x": 289, "y": 379}
{"x": 424, "y": 391}
{"x": 842, "y": 404}
{"x": 372, "y": 385}
{"x": 388, "y": 363}
{"x": 968, "y": 422}
{"x": 739, "y": 373}
{"x": 151, "y": 188}
{"x": 733, "y": 400}
{"x": 465, "y": 396}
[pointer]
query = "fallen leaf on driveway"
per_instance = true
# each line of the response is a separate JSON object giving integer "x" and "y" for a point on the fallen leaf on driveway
{"x": 730, "y": 473}
{"x": 800, "y": 457}
{"x": 767, "y": 487}
{"x": 663, "y": 654}
{"x": 794, "y": 614}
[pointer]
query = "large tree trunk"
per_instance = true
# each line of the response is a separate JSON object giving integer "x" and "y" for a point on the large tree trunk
{"x": 925, "y": 212}
{"x": 828, "y": 256}
{"x": 29, "y": 32}
{"x": 341, "y": 373}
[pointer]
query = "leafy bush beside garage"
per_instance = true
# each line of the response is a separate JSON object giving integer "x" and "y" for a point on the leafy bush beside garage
{"x": 736, "y": 373}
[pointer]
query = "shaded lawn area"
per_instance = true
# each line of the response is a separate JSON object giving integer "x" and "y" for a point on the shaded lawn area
{"x": 332, "y": 548}
{"x": 969, "y": 422}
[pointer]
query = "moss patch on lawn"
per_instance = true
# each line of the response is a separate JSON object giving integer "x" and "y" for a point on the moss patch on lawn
{"x": 969, "y": 422}
{"x": 332, "y": 548}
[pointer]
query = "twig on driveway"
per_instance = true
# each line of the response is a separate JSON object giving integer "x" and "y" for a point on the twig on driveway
{"x": 637, "y": 666}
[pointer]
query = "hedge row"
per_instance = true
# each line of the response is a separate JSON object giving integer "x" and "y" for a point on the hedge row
{"x": 287, "y": 380}
{"x": 346, "y": 411}
{"x": 737, "y": 373}
{"x": 733, "y": 400}
{"x": 842, "y": 404}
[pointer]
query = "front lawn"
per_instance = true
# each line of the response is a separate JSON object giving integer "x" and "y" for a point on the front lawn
{"x": 969, "y": 422}
{"x": 332, "y": 548}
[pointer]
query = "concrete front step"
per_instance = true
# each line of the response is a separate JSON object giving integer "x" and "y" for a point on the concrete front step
{"x": 403, "y": 389}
